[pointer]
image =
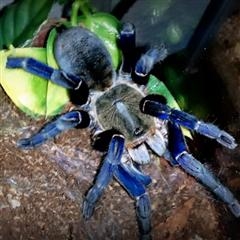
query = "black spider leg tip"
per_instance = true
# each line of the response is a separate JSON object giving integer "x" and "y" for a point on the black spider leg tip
{"x": 148, "y": 60}
{"x": 155, "y": 107}
{"x": 105, "y": 175}
{"x": 192, "y": 166}
{"x": 42, "y": 70}
{"x": 79, "y": 119}
{"x": 127, "y": 43}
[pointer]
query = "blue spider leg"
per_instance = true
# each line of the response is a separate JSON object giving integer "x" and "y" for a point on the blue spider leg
{"x": 105, "y": 175}
{"x": 40, "y": 69}
{"x": 143, "y": 211}
{"x": 192, "y": 166}
{"x": 67, "y": 121}
{"x": 162, "y": 111}
{"x": 148, "y": 60}
{"x": 136, "y": 172}
{"x": 127, "y": 44}
{"x": 136, "y": 189}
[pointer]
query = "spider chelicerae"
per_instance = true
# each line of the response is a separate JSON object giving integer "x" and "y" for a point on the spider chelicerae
{"x": 116, "y": 109}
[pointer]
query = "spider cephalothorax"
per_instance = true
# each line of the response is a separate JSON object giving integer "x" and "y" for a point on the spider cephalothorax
{"x": 118, "y": 108}
{"x": 134, "y": 119}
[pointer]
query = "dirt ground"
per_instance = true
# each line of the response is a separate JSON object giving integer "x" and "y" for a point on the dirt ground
{"x": 41, "y": 190}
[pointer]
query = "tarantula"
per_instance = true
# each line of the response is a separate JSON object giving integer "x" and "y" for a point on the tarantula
{"x": 116, "y": 108}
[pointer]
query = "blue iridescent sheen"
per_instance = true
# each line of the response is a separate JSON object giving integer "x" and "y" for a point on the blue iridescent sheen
{"x": 42, "y": 70}
{"x": 164, "y": 112}
{"x": 52, "y": 129}
{"x": 128, "y": 176}
{"x": 192, "y": 166}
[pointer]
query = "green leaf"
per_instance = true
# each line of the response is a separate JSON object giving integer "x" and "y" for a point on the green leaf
{"x": 21, "y": 86}
{"x": 32, "y": 94}
{"x": 155, "y": 86}
{"x": 19, "y": 21}
{"x": 54, "y": 102}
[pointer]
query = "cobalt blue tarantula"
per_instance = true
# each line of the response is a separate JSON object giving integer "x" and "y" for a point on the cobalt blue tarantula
{"x": 116, "y": 107}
